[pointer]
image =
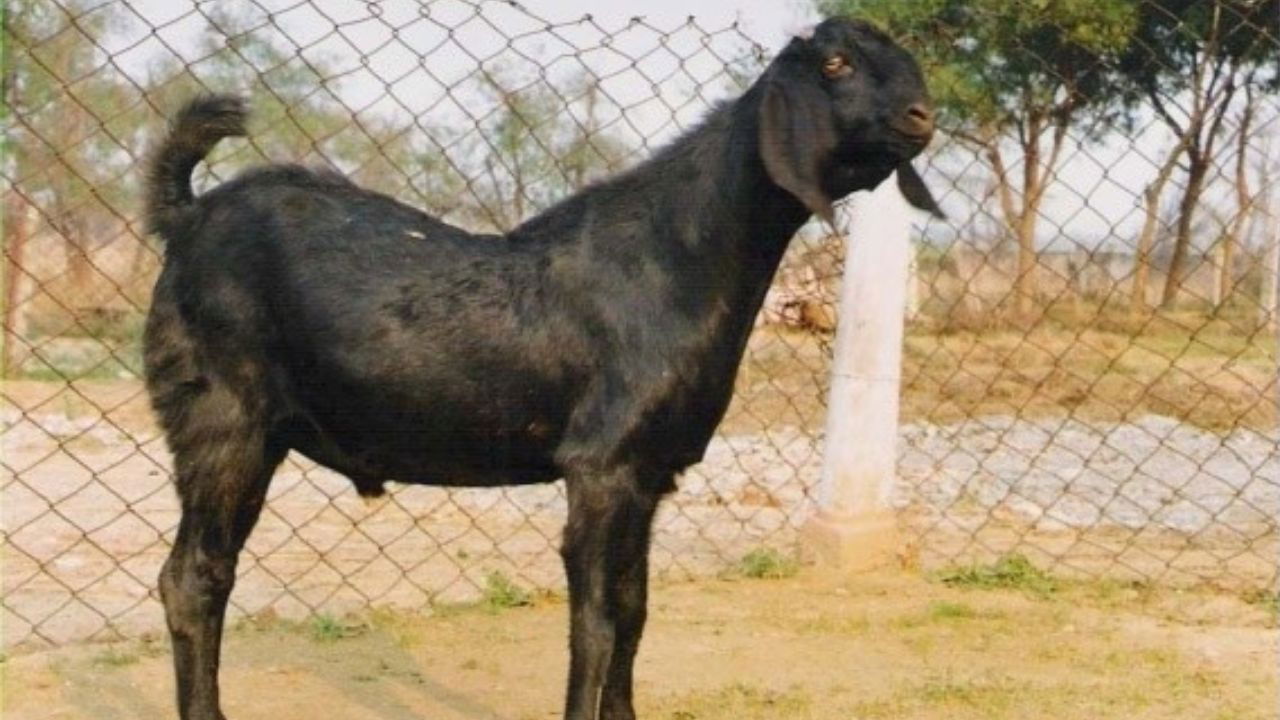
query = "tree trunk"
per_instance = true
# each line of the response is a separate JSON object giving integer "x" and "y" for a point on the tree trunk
{"x": 1182, "y": 244}
{"x": 1025, "y": 287}
{"x": 16, "y": 228}
{"x": 1269, "y": 298}
{"x": 1151, "y": 197}
{"x": 1027, "y": 262}
{"x": 1218, "y": 261}
{"x": 79, "y": 264}
{"x": 1142, "y": 257}
{"x": 1244, "y": 203}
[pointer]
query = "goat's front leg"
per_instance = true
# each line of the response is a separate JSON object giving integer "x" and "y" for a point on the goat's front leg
{"x": 606, "y": 547}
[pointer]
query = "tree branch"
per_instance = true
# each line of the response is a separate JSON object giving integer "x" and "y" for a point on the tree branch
{"x": 1153, "y": 95}
{"x": 1002, "y": 184}
{"x": 1219, "y": 113}
{"x": 1059, "y": 139}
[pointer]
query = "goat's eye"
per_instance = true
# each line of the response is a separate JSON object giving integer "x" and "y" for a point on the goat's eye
{"x": 836, "y": 66}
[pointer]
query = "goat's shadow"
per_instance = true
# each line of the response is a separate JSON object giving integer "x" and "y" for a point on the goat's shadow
{"x": 369, "y": 687}
{"x": 104, "y": 693}
{"x": 108, "y": 694}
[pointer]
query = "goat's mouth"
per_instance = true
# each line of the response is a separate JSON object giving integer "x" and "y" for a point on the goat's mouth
{"x": 894, "y": 148}
{"x": 912, "y": 141}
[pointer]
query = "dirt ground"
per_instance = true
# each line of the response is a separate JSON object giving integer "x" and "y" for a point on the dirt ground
{"x": 884, "y": 646}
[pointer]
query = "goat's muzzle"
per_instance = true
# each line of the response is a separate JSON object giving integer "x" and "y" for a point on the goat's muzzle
{"x": 916, "y": 124}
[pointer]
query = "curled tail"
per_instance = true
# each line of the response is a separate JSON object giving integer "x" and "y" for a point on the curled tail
{"x": 199, "y": 126}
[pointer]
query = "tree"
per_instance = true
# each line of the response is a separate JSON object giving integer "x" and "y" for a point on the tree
{"x": 1234, "y": 233}
{"x": 1013, "y": 74}
{"x": 522, "y": 154}
{"x": 67, "y": 139}
{"x": 1189, "y": 61}
{"x": 1151, "y": 196}
{"x": 296, "y": 107}
{"x": 1269, "y": 292}
{"x": 538, "y": 143}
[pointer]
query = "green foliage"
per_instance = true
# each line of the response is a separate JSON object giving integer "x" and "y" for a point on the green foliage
{"x": 993, "y": 62}
{"x": 72, "y": 144}
{"x": 501, "y": 593}
{"x": 296, "y": 110}
{"x": 1173, "y": 37}
{"x": 533, "y": 149}
{"x": 1013, "y": 571}
{"x": 767, "y": 563}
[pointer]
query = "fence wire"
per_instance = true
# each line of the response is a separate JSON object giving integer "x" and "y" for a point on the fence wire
{"x": 1089, "y": 371}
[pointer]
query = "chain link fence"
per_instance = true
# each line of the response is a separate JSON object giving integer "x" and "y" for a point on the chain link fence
{"x": 1089, "y": 372}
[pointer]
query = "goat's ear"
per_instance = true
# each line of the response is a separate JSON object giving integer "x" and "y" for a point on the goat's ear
{"x": 916, "y": 192}
{"x": 797, "y": 136}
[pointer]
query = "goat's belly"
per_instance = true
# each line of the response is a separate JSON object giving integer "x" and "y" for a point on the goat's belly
{"x": 433, "y": 451}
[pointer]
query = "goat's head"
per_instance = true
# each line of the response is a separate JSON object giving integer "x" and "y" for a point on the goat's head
{"x": 841, "y": 110}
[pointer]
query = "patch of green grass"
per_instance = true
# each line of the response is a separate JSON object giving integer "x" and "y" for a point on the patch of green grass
{"x": 943, "y": 611}
{"x": 114, "y": 657}
{"x": 1267, "y": 600}
{"x": 1014, "y": 572}
{"x": 767, "y": 563}
{"x": 501, "y": 593}
{"x": 951, "y": 611}
{"x": 327, "y": 628}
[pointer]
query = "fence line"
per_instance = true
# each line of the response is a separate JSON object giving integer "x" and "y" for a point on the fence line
{"x": 1087, "y": 419}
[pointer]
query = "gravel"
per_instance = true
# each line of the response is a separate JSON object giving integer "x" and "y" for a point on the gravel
{"x": 87, "y": 511}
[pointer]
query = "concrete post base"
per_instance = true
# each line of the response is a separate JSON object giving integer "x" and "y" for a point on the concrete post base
{"x": 851, "y": 542}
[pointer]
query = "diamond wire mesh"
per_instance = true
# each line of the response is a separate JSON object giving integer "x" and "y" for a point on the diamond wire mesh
{"x": 1100, "y": 436}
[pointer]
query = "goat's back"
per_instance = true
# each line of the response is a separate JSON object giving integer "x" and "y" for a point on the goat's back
{"x": 424, "y": 352}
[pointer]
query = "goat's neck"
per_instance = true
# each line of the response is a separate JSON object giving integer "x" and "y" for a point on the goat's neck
{"x": 703, "y": 207}
{"x": 737, "y": 217}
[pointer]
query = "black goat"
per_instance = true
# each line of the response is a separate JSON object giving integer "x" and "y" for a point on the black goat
{"x": 597, "y": 342}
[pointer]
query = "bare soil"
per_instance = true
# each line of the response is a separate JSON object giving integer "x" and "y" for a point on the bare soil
{"x": 883, "y": 646}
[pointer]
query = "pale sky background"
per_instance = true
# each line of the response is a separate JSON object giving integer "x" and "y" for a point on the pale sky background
{"x": 402, "y": 72}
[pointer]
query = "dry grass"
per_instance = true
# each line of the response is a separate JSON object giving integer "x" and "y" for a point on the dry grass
{"x": 1085, "y": 360}
{"x": 889, "y": 646}
{"x": 1077, "y": 360}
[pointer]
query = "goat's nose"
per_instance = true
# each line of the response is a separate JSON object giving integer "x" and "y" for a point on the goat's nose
{"x": 920, "y": 119}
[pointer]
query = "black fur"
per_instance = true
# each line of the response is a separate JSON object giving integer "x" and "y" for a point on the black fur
{"x": 597, "y": 342}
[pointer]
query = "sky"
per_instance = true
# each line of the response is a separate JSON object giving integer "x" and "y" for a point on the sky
{"x": 401, "y": 55}
{"x": 770, "y": 22}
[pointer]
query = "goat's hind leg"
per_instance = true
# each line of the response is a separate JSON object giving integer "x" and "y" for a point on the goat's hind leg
{"x": 222, "y": 483}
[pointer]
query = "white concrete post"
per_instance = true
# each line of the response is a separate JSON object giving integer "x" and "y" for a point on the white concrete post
{"x": 1270, "y": 305}
{"x": 854, "y": 527}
